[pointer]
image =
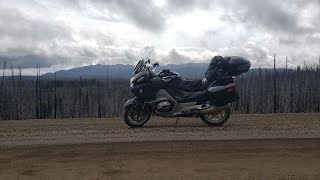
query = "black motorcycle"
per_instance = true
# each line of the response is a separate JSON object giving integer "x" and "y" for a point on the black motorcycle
{"x": 167, "y": 94}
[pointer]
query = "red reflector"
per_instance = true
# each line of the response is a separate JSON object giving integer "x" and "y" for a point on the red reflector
{"x": 230, "y": 89}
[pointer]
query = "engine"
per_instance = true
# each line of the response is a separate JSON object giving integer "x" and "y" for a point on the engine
{"x": 165, "y": 106}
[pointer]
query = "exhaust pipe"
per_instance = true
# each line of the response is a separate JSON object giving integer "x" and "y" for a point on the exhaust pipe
{"x": 214, "y": 109}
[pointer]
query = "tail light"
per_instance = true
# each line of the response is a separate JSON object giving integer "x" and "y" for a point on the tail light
{"x": 231, "y": 89}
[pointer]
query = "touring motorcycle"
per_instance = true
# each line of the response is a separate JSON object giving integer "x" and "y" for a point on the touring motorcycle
{"x": 167, "y": 94}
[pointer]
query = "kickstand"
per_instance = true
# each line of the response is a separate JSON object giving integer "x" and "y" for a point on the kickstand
{"x": 177, "y": 121}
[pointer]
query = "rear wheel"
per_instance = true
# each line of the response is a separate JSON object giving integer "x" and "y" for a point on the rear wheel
{"x": 136, "y": 116}
{"x": 216, "y": 119}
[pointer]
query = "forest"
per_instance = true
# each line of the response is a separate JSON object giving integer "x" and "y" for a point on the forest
{"x": 260, "y": 90}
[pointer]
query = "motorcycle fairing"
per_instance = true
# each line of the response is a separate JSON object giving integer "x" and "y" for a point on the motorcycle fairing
{"x": 178, "y": 108}
{"x": 133, "y": 102}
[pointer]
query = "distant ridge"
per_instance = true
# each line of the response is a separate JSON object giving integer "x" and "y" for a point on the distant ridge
{"x": 99, "y": 70}
{"x": 190, "y": 70}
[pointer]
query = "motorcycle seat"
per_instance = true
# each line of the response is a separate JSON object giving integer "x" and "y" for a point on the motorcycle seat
{"x": 192, "y": 86}
{"x": 190, "y": 83}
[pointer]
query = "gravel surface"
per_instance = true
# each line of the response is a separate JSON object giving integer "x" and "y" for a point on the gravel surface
{"x": 75, "y": 131}
{"x": 271, "y": 146}
{"x": 223, "y": 159}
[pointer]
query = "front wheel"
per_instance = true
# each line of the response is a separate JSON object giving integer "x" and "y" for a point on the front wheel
{"x": 216, "y": 119}
{"x": 136, "y": 116}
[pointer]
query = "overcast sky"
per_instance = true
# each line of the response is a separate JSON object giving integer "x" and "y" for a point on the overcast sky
{"x": 63, "y": 34}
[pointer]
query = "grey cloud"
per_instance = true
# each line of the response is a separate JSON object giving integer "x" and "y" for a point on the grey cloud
{"x": 86, "y": 53}
{"x": 142, "y": 13}
{"x": 46, "y": 42}
{"x": 183, "y": 6}
{"x": 273, "y": 15}
{"x": 28, "y": 40}
{"x": 256, "y": 52}
{"x": 258, "y": 55}
{"x": 15, "y": 52}
{"x": 32, "y": 61}
{"x": 280, "y": 21}
{"x": 119, "y": 56}
{"x": 175, "y": 57}
{"x": 15, "y": 24}
{"x": 313, "y": 39}
{"x": 22, "y": 37}
{"x": 101, "y": 38}
{"x": 288, "y": 41}
{"x": 270, "y": 15}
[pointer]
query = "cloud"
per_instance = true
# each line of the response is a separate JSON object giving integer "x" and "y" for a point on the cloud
{"x": 145, "y": 14}
{"x": 31, "y": 61}
{"x": 314, "y": 39}
{"x": 15, "y": 23}
{"x": 182, "y": 55}
{"x": 142, "y": 13}
{"x": 258, "y": 55}
{"x": 70, "y": 33}
{"x": 183, "y": 6}
{"x": 271, "y": 15}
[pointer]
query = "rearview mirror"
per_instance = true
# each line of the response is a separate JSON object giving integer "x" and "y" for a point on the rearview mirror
{"x": 156, "y": 64}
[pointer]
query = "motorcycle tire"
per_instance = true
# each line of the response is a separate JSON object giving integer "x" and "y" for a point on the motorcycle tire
{"x": 132, "y": 115}
{"x": 222, "y": 116}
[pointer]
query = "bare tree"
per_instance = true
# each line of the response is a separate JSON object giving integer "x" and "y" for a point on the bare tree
{"x": 20, "y": 94}
{"x": 274, "y": 85}
{"x": 3, "y": 73}
{"x": 55, "y": 94}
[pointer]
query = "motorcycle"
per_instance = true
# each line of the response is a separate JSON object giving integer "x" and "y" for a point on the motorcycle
{"x": 167, "y": 94}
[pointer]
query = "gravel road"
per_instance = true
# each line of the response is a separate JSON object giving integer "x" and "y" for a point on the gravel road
{"x": 271, "y": 146}
{"x": 74, "y": 131}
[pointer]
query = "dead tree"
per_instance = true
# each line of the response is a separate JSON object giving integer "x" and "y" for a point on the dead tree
{"x": 13, "y": 100}
{"x": 55, "y": 94}
{"x": 20, "y": 116}
{"x": 3, "y": 74}
{"x": 2, "y": 97}
{"x": 274, "y": 85}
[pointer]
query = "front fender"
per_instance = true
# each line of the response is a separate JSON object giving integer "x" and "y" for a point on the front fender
{"x": 133, "y": 102}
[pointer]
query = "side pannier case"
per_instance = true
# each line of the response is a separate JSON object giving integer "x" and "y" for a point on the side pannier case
{"x": 223, "y": 92}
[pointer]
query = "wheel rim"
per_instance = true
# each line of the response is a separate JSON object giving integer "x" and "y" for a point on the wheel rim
{"x": 137, "y": 115}
{"x": 217, "y": 117}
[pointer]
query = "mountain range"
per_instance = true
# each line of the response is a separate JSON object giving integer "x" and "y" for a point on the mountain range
{"x": 190, "y": 70}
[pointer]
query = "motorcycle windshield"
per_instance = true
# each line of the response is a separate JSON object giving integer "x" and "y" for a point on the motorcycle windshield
{"x": 138, "y": 67}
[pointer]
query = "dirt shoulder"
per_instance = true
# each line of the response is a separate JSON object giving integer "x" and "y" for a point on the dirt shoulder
{"x": 75, "y": 131}
{"x": 223, "y": 159}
